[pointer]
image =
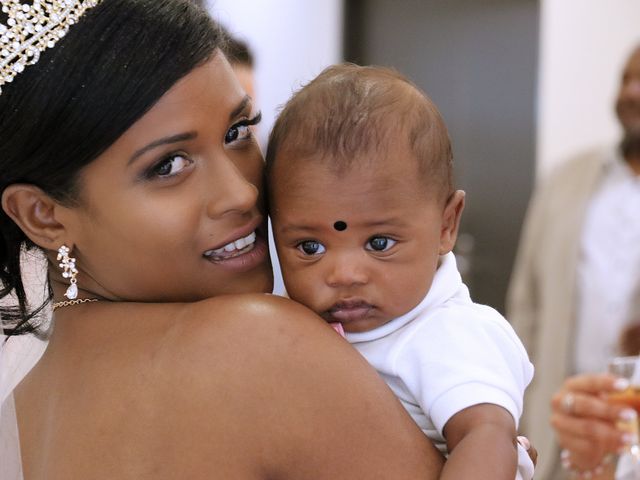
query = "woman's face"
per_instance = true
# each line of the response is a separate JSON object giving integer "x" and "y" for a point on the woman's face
{"x": 173, "y": 210}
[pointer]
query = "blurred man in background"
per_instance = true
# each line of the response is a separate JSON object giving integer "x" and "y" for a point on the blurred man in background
{"x": 576, "y": 283}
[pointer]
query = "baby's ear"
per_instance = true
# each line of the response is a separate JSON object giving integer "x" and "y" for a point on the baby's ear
{"x": 451, "y": 221}
{"x": 35, "y": 214}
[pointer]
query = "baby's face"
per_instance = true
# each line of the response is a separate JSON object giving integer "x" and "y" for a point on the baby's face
{"x": 361, "y": 247}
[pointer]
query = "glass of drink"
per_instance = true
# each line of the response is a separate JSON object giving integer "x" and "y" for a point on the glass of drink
{"x": 629, "y": 368}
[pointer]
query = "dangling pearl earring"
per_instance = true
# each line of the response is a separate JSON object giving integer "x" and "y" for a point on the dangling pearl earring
{"x": 68, "y": 264}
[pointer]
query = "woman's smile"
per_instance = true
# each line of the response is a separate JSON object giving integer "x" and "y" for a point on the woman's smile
{"x": 233, "y": 248}
{"x": 242, "y": 254}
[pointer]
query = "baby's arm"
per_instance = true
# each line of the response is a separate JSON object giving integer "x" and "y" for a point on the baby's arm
{"x": 468, "y": 371}
{"x": 482, "y": 444}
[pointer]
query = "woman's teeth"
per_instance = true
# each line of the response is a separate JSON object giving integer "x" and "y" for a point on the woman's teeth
{"x": 236, "y": 245}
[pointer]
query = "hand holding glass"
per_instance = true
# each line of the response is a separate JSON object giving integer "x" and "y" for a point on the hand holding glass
{"x": 629, "y": 368}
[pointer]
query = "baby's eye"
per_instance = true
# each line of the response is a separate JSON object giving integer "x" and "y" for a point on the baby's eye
{"x": 380, "y": 244}
{"x": 171, "y": 166}
{"x": 311, "y": 247}
{"x": 242, "y": 130}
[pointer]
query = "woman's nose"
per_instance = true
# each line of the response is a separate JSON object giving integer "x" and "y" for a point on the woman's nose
{"x": 229, "y": 191}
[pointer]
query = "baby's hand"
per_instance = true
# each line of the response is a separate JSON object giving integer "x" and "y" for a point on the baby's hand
{"x": 527, "y": 459}
{"x": 531, "y": 450}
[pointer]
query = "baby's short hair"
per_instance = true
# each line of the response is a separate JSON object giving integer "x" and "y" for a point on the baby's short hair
{"x": 350, "y": 111}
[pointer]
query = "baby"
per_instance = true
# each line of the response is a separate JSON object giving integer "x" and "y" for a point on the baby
{"x": 365, "y": 216}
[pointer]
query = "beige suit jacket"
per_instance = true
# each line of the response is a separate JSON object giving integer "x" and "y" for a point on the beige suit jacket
{"x": 541, "y": 301}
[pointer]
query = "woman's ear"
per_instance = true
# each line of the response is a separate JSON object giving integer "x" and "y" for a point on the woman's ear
{"x": 35, "y": 213}
{"x": 451, "y": 221}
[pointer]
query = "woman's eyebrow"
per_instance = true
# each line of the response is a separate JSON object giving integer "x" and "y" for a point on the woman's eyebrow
{"x": 180, "y": 137}
{"x": 240, "y": 108}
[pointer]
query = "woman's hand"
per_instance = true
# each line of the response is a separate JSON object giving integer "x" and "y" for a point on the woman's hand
{"x": 585, "y": 423}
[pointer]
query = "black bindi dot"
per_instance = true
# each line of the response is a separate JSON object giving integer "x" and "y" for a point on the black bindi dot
{"x": 340, "y": 225}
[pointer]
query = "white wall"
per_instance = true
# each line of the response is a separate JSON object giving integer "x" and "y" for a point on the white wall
{"x": 584, "y": 44}
{"x": 292, "y": 41}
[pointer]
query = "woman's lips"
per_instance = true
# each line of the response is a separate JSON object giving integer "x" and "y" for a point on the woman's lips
{"x": 349, "y": 311}
{"x": 233, "y": 249}
{"x": 242, "y": 260}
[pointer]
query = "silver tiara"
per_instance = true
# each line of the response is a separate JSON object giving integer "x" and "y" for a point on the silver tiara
{"x": 32, "y": 28}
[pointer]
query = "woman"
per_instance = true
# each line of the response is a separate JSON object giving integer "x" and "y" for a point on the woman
{"x": 126, "y": 156}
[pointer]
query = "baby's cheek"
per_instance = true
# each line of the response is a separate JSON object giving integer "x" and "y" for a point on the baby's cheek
{"x": 304, "y": 289}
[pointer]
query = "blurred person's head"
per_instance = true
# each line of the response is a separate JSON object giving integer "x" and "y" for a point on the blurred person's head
{"x": 239, "y": 56}
{"x": 241, "y": 59}
{"x": 628, "y": 105}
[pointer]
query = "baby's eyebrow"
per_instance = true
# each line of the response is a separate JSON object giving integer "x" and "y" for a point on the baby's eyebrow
{"x": 299, "y": 228}
{"x": 304, "y": 228}
{"x": 391, "y": 221}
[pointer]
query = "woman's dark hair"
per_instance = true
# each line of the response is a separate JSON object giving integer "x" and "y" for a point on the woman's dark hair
{"x": 78, "y": 99}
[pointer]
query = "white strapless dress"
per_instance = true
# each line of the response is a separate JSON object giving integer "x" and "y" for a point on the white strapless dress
{"x": 10, "y": 463}
{"x": 17, "y": 356}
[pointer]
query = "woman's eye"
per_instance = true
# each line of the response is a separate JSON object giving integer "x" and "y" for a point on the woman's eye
{"x": 171, "y": 166}
{"x": 242, "y": 130}
{"x": 380, "y": 244}
{"x": 237, "y": 132}
{"x": 311, "y": 247}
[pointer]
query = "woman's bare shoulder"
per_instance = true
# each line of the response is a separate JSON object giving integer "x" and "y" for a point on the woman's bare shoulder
{"x": 267, "y": 375}
{"x": 247, "y": 335}
{"x": 268, "y": 329}
{"x": 258, "y": 383}
{"x": 251, "y": 316}
{"x": 249, "y": 303}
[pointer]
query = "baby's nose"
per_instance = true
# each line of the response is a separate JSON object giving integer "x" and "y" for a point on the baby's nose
{"x": 346, "y": 272}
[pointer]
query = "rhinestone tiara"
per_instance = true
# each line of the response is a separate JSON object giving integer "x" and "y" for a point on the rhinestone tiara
{"x": 32, "y": 28}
